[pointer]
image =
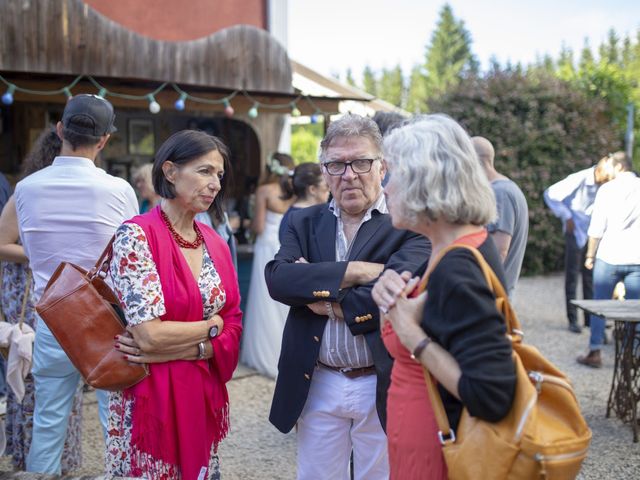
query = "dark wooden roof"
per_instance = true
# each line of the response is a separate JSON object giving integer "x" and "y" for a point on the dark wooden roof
{"x": 69, "y": 37}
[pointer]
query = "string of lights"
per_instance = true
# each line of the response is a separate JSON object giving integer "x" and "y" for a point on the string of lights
{"x": 291, "y": 106}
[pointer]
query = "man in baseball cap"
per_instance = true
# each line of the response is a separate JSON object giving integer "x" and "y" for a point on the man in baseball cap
{"x": 67, "y": 212}
{"x": 89, "y": 115}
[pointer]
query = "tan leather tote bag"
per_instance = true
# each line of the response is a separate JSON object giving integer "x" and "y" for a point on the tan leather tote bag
{"x": 544, "y": 436}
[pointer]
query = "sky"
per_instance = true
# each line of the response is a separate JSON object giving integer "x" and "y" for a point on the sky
{"x": 332, "y": 35}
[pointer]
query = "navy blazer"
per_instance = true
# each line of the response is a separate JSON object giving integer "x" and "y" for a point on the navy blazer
{"x": 312, "y": 234}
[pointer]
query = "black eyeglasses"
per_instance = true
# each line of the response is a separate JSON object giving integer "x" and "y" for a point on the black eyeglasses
{"x": 359, "y": 165}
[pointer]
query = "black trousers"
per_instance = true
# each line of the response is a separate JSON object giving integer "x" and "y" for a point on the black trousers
{"x": 573, "y": 266}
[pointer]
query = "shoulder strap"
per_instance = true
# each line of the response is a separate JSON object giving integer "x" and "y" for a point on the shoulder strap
{"x": 1, "y": 290}
{"x": 102, "y": 265}
{"x": 513, "y": 330}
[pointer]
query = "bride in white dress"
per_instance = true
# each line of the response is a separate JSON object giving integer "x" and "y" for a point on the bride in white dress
{"x": 264, "y": 318}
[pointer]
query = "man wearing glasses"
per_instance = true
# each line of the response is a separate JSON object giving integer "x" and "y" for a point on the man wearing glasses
{"x": 334, "y": 370}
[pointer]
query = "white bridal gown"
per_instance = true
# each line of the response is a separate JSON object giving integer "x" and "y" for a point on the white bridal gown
{"x": 264, "y": 318}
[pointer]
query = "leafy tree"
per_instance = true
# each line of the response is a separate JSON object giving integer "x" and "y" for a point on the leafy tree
{"x": 565, "y": 62}
{"x": 586, "y": 56}
{"x": 417, "y": 91}
{"x": 448, "y": 55}
{"x": 391, "y": 86}
{"x": 609, "y": 51}
{"x": 305, "y": 143}
{"x": 542, "y": 129}
{"x": 349, "y": 78}
{"x": 369, "y": 81}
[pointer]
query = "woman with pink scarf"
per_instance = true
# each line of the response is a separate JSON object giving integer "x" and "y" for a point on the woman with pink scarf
{"x": 179, "y": 291}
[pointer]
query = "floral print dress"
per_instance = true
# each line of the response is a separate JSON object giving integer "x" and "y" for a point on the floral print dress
{"x": 19, "y": 416}
{"x": 137, "y": 284}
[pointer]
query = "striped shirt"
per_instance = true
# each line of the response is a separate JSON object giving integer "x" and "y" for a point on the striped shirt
{"x": 340, "y": 348}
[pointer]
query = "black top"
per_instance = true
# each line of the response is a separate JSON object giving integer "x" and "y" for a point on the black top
{"x": 460, "y": 314}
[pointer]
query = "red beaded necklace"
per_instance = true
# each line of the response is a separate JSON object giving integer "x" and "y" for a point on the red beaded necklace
{"x": 179, "y": 240}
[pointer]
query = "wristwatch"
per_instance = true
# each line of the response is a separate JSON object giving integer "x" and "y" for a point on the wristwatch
{"x": 213, "y": 331}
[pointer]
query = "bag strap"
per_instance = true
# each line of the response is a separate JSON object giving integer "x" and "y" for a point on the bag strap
{"x": 446, "y": 434}
{"x": 25, "y": 298}
{"x": 2, "y": 319}
{"x": 101, "y": 268}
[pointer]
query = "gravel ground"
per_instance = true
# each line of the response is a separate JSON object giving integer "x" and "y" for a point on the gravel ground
{"x": 256, "y": 450}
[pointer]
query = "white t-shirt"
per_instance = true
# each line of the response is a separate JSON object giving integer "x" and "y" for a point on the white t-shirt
{"x": 616, "y": 220}
{"x": 68, "y": 212}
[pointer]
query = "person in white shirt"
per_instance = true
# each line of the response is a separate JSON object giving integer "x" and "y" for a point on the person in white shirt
{"x": 571, "y": 200}
{"x": 613, "y": 249}
{"x": 67, "y": 212}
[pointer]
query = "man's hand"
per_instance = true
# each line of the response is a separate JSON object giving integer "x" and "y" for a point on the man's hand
{"x": 361, "y": 273}
{"x": 588, "y": 263}
{"x": 319, "y": 308}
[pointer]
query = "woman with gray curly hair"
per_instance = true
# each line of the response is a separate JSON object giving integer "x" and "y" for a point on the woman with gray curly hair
{"x": 438, "y": 189}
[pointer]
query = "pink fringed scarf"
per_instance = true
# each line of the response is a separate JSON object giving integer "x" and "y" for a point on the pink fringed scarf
{"x": 181, "y": 409}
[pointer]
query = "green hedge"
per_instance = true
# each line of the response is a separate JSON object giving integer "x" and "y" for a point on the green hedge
{"x": 542, "y": 130}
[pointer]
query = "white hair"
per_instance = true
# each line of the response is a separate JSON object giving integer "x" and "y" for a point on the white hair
{"x": 434, "y": 161}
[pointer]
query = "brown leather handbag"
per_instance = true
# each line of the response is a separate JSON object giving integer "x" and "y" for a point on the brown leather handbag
{"x": 543, "y": 436}
{"x": 84, "y": 316}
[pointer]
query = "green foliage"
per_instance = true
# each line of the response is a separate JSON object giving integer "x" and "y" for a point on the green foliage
{"x": 448, "y": 56}
{"x": 305, "y": 142}
{"x": 391, "y": 86}
{"x": 349, "y": 78}
{"x": 542, "y": 129}
{"x": 416, "y": 101}
{"x": 369, "y": 81}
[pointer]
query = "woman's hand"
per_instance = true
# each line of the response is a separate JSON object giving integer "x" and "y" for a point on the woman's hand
{"x": 217, "y": 321}
{"x": 405, "y": 318}
{"x": 388, "y": 288}
{"x": 132, "y": 352}
{"x": 126, "y": 344}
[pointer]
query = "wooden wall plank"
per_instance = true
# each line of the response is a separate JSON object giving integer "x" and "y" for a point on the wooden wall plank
{"x": 69, "y": 37}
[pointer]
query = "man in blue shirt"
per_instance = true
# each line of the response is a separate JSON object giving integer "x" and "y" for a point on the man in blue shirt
{"x": 571, "y": 200}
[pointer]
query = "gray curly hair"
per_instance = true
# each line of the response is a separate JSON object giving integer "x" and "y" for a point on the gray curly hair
{"x": 432, "y": 157}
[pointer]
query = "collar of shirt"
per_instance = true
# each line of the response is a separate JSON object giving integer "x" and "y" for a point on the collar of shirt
{"x": 380, "y": 205}
{"x": 75, "y": 161}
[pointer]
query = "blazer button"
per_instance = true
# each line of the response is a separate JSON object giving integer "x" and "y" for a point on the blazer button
{"x": 369, "y": 316}
{"x": 315, "y": 337}
{"x": 306, "y": 375}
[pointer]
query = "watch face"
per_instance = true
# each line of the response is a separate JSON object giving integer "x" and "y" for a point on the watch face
{"x": 213, "y": 332}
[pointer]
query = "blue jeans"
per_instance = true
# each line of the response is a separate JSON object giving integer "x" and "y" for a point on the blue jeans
{"x": 56, "y": 381}
{"x": 605, "y": 278}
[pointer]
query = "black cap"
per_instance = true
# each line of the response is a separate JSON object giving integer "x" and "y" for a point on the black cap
{"x": 95, "y": 115}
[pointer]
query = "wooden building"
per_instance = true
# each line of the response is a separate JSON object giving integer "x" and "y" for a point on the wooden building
{"x": 210, "y": 50}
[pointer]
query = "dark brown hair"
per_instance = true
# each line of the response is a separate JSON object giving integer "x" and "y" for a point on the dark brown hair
{"x": 183, "y": 147}
{"x": 46, "y": 147}
{"x": 304, "y": 176}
